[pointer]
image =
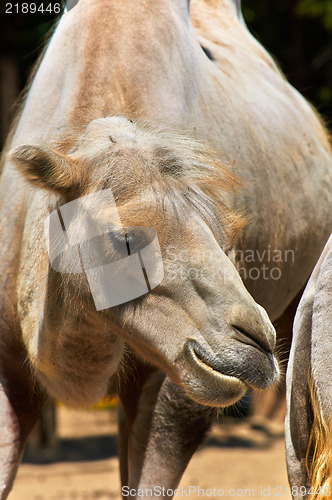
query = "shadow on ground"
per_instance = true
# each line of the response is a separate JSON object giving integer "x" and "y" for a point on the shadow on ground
{"x": 74, "y": 450}
{"x": 240, "y": 435}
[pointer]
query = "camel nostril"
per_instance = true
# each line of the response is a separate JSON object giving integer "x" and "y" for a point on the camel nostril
{"x": 259, "y": 341}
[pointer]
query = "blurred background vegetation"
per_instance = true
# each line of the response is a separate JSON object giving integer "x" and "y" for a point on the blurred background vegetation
{"x": 298, "y": 33}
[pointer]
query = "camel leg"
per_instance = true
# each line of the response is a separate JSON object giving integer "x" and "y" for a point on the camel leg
{"x": 269, "y": 407}
{"x": 166, "y": 430}
{"x": 178, "y": 427}
{"x": 123, "y": 444}
{"x": 299, "y": 416}
{"x": 139, "y": 408}
{"x": 20, "y": 407}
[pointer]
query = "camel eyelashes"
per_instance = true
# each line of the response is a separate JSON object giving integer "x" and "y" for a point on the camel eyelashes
{"x": 126, "y": 242}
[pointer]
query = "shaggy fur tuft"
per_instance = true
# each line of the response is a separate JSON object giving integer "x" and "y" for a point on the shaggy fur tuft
{"x": 319, "y": 454}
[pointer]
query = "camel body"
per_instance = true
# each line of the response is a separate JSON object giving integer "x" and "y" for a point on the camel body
{"x": 147, "y": 64}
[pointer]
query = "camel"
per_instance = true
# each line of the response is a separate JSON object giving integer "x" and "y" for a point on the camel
{"x": 217, "y": 154}
{"x": 309, "y": 407}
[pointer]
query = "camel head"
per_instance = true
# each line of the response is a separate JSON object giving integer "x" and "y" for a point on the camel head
{"x": 140, "y": 235}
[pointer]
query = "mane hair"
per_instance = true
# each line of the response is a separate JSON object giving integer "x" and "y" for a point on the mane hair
{"x": 195, "y": 172}
{"x": 184, "y": 173}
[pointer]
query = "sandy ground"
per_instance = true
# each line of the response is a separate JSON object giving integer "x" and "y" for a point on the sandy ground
{"x": 84, "y": 466}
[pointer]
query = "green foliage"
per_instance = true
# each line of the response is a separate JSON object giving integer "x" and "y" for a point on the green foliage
{"x": 298, "y": 33}
{"x": 319, "y": 8}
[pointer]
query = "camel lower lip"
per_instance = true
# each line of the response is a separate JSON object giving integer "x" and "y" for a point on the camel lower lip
{"x": 206, "y": 385}
{"x": 222, "y": 379}
{"x": 205, "y": 365}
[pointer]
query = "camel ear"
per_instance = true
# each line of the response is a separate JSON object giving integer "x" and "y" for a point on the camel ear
{"x": 45, "y": 168}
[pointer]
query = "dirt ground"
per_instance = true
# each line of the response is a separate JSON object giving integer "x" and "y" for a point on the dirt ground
{"x": 84, "y": 465}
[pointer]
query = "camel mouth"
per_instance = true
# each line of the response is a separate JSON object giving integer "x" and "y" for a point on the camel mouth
{"x": 244, "y": 362}
{"x": 206, "y": 384}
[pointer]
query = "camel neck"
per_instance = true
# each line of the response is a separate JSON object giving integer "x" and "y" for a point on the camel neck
{"x": 228, "y": 7}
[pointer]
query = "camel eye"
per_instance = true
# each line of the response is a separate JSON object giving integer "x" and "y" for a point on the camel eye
{"x": 129, "y": 241}
{"x": 119, "y": 242}
{"x": 112, "y": 140}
